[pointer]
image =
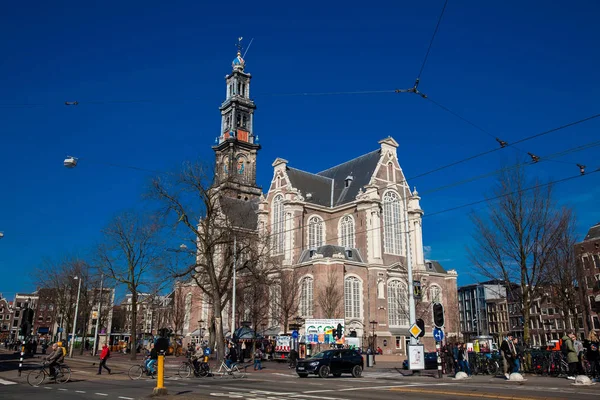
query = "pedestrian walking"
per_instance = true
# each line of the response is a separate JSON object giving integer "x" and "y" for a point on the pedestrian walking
{"x": 258, "y": 359}
{"x": 568, "y": 349}
{"x": 104, "y": 356}
{"x": 507, "y": 350}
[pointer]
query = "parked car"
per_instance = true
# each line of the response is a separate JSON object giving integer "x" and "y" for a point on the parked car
{"x": 430, "y": 361}
{"x": 336, "y": 362}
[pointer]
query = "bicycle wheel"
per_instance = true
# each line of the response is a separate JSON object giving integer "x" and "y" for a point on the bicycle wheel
{"x": 204, "y": 369}
{"x": 63, "y": 374}
{"x": 184, "y": 371}
{"x": 492, "y": 368}
{"x": 236, "y": 373}
{"x": 135, "y": 372}
{"x": 36, "y": 377}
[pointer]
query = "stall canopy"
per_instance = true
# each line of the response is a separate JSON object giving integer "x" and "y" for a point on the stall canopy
{"x": 245, "y": 333}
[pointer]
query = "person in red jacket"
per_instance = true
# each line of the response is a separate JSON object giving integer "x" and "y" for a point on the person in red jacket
{"x": 104, "y": 355}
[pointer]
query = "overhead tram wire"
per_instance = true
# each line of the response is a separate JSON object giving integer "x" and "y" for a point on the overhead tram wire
{"x": 522, "y": 140}
{"x": 437, "y": 27}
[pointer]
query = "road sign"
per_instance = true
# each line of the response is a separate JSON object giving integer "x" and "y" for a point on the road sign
{"x": 295, "y": 334}
{"x": 438, "y": 334}
{"x": 415, "y": 331}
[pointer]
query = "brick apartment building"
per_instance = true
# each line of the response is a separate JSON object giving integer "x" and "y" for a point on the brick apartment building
{"x": 587, "y": 254}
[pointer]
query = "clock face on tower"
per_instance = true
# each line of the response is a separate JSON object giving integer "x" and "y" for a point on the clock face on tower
{"x": 240, "y": 165}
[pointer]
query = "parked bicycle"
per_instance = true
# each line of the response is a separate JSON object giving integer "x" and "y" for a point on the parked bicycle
{"x": 234, "y": 371}
{"x": 187, "y": 367}
{"x": 137, "y": 371}
{"x": 62, "y": 374}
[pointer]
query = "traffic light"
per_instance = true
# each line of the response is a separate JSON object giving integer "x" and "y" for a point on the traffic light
{"x": 438, "y": 315}
{"x": 339, "y": 331}
{"x": 421, "y": 325}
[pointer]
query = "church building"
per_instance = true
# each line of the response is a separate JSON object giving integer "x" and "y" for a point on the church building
{"x": 340, "y": 230}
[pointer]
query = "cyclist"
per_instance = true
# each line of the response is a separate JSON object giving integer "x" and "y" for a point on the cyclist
{"x": 152, "y": 359}
{"x": 55, "y": 358}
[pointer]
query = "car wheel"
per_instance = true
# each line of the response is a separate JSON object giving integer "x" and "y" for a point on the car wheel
{"x": 337, "y": 374}
{"x": 324, "y": 371}
{"x": 357, "y": 371}
{"x": 303, "y": 375}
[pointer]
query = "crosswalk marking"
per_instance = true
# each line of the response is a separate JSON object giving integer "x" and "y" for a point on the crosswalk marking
{"x": 4, "y": 382}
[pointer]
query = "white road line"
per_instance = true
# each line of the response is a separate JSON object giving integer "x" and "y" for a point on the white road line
{"x": 101, "y": 394}
{"x": 3, "y": 382}
{"x": 126, "y": 398}
{"x": 63, "y": 390}
{"x": 79, "y": 391}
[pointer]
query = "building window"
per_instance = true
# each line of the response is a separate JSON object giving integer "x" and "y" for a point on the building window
{"x": 278, "y": 225}
{"x": 352, "y": 296}
{"x": 187, "y": 312}
{"x": 596, "y": 260}
{"x": 391, "y": 221}
{"x": 274, "y": 304}
{"x": 306, "y": 297}
{"x": 435, "y": 294}
{"x": 390, "y": 171}
{"x": 347, "y": 231}
{"x": 398, "y": 342}
{"x": 315, "y": 232}
{"x": 397, "y": 303}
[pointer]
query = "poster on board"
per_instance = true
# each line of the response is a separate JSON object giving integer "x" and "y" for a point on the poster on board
{"x": 416, "y": 356}
{"x": 322, "y": 331}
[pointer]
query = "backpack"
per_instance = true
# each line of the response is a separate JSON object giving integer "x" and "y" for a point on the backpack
{"x": 563, "y": 347}
{"x": 64, "y": 351}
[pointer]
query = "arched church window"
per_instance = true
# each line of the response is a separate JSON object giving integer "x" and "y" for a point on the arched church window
{"x": 352, "y": 296}
{"x": 397, "y": 303}
{"x": 305, "y": 308}
{"x": 315, "y": 232}
{"x": 278, "y": 225}
{"x": 347, "y": 231}
{"x": 391, "y": 221}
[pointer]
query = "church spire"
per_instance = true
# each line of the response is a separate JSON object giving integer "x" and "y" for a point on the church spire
{"x": 237, "y": 145}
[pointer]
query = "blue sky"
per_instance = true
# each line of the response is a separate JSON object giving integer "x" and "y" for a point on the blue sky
{"x": 514, "y": 68}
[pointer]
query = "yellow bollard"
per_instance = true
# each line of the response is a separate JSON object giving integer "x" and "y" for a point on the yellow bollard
{"x": 160, "y": 377}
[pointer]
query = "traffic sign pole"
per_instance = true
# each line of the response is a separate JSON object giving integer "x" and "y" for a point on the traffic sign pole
{"x": 439, "y": 358}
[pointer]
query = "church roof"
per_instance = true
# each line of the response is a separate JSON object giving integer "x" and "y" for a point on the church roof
{"x": 361, "y": 169}
{"x": 329, "y": 250}
{"x": 593, "y": 233}
{"x": 319, "y": 187}
{"x": 241, "y": 213}
{"x": 328, "y": 188}
{"x": 434, "y": 266}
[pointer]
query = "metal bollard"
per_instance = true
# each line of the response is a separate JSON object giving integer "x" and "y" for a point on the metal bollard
{"x": 160, "y": 376}
{"x": 21, "y": 359}
{"x": 439, "y": 359}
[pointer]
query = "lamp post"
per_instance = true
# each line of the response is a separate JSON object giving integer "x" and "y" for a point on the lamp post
{"x": 75, "y": 318}
{"x": 373, "y": 324}
{"x": 96, "y": 334}
{"x": 411, "y": 294}
{"x": 200, "y": 336}
{"x": 233, "y": 293}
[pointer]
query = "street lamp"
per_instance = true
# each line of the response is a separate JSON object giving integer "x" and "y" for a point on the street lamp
{"x": 1, "y": 235}
{"x": 75, "y": 318}
{"x": 200, "y": 336}
{"x": 373, "y": 324}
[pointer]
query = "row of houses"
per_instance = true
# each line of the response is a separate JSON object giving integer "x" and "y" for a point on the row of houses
{"x": 492, "y": 309}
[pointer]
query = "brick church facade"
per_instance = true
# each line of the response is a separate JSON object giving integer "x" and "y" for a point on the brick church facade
{"x": 342, "y": 229}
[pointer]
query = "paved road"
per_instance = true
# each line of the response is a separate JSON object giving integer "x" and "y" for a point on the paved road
{"x": 284, "y": 385}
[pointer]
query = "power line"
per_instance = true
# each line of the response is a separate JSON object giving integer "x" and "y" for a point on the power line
{"x": 437, "y": 26}
{"x": 525, "y": 139}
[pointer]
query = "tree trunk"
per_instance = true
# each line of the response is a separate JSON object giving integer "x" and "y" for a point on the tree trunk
{"x": 133, "y": 338}
{"x": 286, "y": 322}
{"x": 526, "y": 310}
{"x": 84, "y": 335}
{"x": 219, "y": 335}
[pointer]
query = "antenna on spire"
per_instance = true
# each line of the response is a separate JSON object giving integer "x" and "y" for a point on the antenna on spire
{"x": 247, "y": 48}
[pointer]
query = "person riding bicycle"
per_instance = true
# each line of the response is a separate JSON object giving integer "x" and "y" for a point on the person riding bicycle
{"x": 231, "y": 357}
{"x": 196, "y": 356}
{"x": 54, "y": 359}
{"x": 152, "y": 360}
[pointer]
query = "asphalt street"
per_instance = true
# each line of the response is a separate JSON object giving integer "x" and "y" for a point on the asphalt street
{"x": 283, "y": 384}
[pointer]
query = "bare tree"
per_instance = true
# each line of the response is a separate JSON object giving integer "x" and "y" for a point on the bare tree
{"x": 330, "y": 297}
{"x": 514, "y": 239}
{"x": 193, "y": 200}
{"x": 284, "y": 297}
{"x": 562, "y": 277}
{"x": 131, "y": 250}
{"x": 178, "y": 309}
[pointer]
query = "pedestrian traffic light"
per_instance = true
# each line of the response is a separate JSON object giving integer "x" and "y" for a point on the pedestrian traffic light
{"x": 438, "y": 315}
{"x": 339, "y": 331}
{"x": 421, "y": 325}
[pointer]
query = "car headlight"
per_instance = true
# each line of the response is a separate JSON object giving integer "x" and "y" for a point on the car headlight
{"x": 314, "y": 363}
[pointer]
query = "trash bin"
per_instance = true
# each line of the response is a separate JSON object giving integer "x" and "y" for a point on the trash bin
{"x": 370, "y": 360}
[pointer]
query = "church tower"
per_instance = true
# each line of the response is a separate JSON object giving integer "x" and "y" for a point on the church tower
{"x": 237, "y": 146}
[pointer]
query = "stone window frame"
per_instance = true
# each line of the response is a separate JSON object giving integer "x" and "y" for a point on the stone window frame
{"x": 278, "y": 224}
{"x": 306, "y": 307}
{"x": 398, "y": 321}
{"x": 315, "y": 228}
{"x": 351, "y": 303}
{"x": 393, "y": 242}
{"x": 347, "y": 222}
{"x": 430, "y": 293}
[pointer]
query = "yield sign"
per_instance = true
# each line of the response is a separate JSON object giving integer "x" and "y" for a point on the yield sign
{"x": 415, "y": 331}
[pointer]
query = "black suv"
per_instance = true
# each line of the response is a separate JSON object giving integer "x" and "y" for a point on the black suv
{"x": 334, "y": 362}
